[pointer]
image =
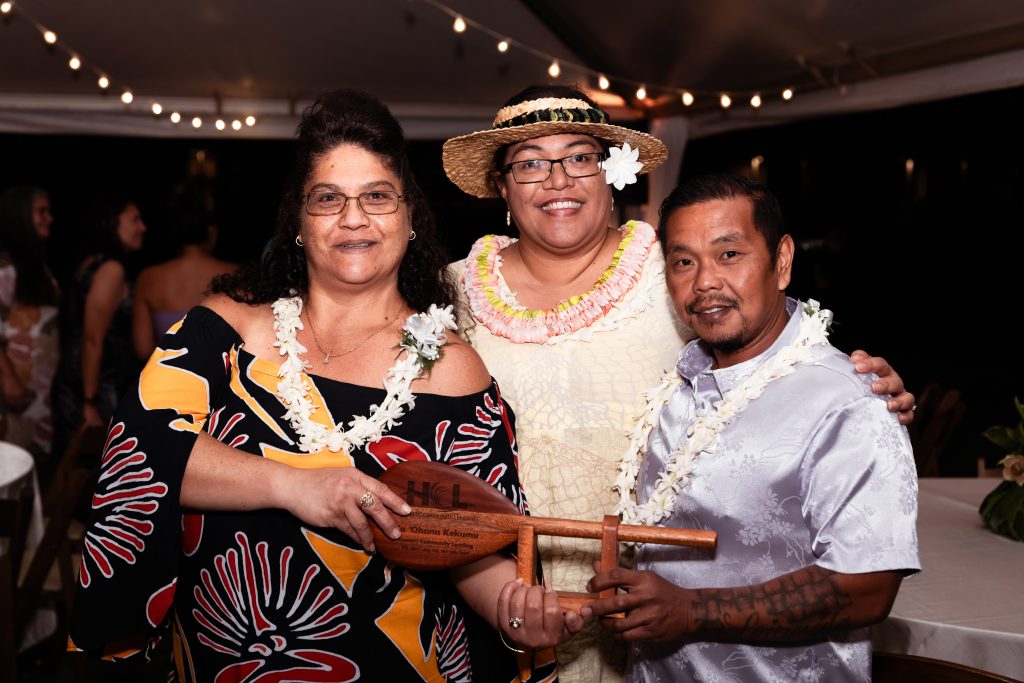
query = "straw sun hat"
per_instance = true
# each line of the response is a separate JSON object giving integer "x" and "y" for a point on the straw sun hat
{"x": 468, "y": 158}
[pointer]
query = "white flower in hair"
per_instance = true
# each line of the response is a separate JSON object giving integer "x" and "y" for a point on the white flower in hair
{"x": 621, "y": 166}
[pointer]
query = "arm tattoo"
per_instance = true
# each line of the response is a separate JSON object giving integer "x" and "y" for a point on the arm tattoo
{"x": 804, "y": 604}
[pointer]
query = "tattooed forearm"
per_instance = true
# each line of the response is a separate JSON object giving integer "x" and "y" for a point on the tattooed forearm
{"x": 804, "y": 604}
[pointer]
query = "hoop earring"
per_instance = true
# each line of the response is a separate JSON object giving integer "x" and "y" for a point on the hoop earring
{"x": 298, "y": 240}
{"x": 508, "y": 218}
{"x": 412, "y": 235}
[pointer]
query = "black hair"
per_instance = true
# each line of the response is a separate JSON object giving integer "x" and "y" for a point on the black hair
{"x": 105, "y": 218}
{"x": 337, "y": 117}
{"x": 189, "y": 219}
{"x": 722, "y": 186}
{"x": 34, "y": 284}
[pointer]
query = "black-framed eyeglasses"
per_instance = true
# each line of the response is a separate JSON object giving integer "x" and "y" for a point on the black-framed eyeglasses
{"x": 331, "y": 202}
{"x": 538, "y": 170}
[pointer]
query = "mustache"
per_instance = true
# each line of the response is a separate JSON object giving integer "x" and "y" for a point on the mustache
{"x": 709, "y": 302}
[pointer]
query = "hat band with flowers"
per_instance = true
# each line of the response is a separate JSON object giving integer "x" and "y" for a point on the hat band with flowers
{"x": 469, "y": 159}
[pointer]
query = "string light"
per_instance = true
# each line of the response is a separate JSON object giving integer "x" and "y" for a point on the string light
{"x": 250, "y": 120}
{"x": 196, "y": 122}
{"x": 236, "y": 125}
{"x": 755, "y": 101}
{"x": 175, "y": 117}
{"x": 74, "y": 63}
{"x": 460, "y": 25}
{"x": 157, "y": 109}
{"x": 554, "y": 70}
{"x": 127, "y": 97}
{"x": 725, "y": 101}
{"x": 687, "y": 98}
{"x": 641, "y": 93}
{"x": 502, "y": 46}
{"x": 5, "y": 7}
{"x": 219, "y": 124}
{"x": 103, "y": 82}
{"x": 602, "y": 82}
{"x": 50, "y": 37}
{"x": 787, "y": 94}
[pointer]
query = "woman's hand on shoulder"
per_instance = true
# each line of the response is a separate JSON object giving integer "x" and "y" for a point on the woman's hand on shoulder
{"x": 459, "y": 372}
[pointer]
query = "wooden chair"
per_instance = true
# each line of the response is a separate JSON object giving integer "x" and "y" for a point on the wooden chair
{"x": 893, "y": 668}
{"x": 938, "y": 413}
{"x": 15, "y": 516}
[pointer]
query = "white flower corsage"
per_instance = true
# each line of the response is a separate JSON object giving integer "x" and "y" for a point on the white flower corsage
{"x": 424, "y": 334}
{"x": 621, "y": 166}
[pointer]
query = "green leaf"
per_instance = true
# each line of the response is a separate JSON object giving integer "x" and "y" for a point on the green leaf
{"x": 1020, "y": 407}
{"x": 1002, "y": 437}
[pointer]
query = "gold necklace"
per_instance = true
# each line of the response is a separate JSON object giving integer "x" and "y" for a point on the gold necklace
{"x": 328, "y": 355}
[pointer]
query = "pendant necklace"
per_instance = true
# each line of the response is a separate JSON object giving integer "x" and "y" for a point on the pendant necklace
{"x": 328, "y": 354}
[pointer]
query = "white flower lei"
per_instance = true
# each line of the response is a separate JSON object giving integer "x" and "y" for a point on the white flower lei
{"x": 704, "y": 430}
{"x": 423, "y": 335}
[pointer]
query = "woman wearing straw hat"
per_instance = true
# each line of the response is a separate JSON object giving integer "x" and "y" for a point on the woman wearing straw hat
{"x": 573, "y": 318}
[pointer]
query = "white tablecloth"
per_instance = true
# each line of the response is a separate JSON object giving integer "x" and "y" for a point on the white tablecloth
{"x": 17, "y": 470}
{"x": 967, "y": 604}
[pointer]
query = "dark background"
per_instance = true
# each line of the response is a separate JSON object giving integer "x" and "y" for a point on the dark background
{"x": 919, "y": 266}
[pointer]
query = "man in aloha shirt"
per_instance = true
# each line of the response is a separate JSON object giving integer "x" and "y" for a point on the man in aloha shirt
{"x": 808, "y": 480}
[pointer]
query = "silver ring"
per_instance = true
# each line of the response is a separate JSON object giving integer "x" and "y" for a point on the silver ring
{"x": 367, "y": 500}
{"x": 515, "y": 622}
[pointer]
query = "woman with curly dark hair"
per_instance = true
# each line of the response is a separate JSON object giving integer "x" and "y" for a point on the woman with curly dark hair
{"x": 275, "y": 451}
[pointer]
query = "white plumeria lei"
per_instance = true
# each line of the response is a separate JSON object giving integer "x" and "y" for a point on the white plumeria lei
{"x": 704, "y": 430}
{"x": 621, "y": 166}
{"x": 422, "y": 338}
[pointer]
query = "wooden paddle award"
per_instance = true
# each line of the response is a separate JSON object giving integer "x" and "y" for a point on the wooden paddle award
{"x": 457, "y": 518}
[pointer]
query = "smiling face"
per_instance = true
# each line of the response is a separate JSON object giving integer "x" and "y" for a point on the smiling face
{"x": 42, "y": 219}
{"x": 354, "y": 249}
{"x": 130, "y": 228}
{"x": 561, "y": 214}
{"x": 721, "y": 278}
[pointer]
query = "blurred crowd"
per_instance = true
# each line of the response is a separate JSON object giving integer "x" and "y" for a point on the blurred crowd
{"x": 73, "y": 339}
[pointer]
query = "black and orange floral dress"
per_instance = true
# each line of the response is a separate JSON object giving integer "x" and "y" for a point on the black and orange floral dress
{"x": 260, "y": 597}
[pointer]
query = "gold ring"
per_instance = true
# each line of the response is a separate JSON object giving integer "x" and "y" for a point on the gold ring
{"x": 367, "y": 500}
{"x": 515, "y": 622}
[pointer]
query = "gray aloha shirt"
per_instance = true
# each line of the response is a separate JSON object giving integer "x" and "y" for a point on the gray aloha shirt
{"x": 814, "y": 471}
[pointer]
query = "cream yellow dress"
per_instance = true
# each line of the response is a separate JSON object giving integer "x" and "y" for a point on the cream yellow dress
{"x": 575, "y": 396}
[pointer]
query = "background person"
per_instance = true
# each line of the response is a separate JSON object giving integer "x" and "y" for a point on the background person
{"x": 29, "y": 300}
{"x": 274, "y": 451}
{"x": 165, "y": 292}
{"x": 573, "y": 319}
{"x": 96, "y": 361}
{"x": 808, "y": 480}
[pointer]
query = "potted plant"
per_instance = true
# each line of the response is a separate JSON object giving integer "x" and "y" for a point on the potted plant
{"x": 1003, "y": 508}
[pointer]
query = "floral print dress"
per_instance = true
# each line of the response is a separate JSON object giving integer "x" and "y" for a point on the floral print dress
{"x": 260, "y": 597}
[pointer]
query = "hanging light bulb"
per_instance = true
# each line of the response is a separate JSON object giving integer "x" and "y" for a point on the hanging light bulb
{"x": 460, "y": 25}
{"x": 50, "y": 37}
{"x": 554, "y": 70}
{"x": 250, "y": 120}
{"x": 74, "y": 63}
{"x": 219, "y": 124}
{"x": 5, "y": 7}
{"x": 725, "y": 101}
{"x": 103, "y": 82}
{"x": 602, "y": 82}
{"x": 687, "y": 98}
{"x": 236, "y": 125}
{"x": 755, "y": 101}
{"x": 196, "y": 122}
{"x": 502, "y": 46}
{"x": 787, "y": 94}
{"x": 157, "y": 109}
{"x": 127, "y": 97}
{"x": 175, "y": 117}
{"x": 641, "y": 93}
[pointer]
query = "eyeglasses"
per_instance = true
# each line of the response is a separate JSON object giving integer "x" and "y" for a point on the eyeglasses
{"x": 331, "y": 202}
{"x": 539, "y": 170}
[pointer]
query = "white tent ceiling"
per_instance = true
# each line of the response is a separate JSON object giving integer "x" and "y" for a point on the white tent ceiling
{"x": 270, "y": 57}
